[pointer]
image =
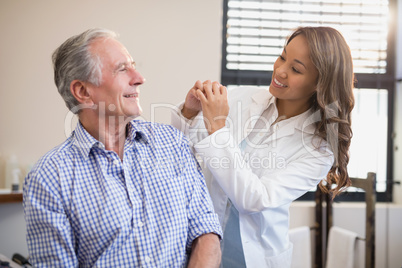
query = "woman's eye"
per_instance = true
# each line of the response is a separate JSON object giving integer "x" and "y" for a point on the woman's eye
{"x": 281, "y": 57}
{"x": 295, "y": 70}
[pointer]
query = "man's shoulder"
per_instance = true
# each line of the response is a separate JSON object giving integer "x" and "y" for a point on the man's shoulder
{"x": 56, "y": 154}
{"x": 161, "y": 135}
{"x": 153, "y": 129}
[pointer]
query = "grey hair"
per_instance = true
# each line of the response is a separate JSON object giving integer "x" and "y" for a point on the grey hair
{"x": 73, "y": 60}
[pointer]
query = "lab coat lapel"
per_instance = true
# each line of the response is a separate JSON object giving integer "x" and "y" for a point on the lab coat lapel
{"x": 259, "y": 103}
{"x": 280, "y": 132}
{"x": 303, "y": 122}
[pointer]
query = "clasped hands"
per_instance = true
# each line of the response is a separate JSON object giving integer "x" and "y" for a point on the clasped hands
{"x": 211, "y": 98}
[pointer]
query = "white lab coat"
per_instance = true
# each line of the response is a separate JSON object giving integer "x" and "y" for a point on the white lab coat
{"x": 263, "y": 182}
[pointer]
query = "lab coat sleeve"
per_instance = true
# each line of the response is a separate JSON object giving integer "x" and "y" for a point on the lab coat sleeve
{"x": 194, "y": 128}
{"x": 251, "y": 193}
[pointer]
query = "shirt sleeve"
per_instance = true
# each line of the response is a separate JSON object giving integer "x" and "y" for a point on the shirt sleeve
{"x": 201, "y": 216}
{"x": 49, "y": 234}
{"x": 253, "y": 193}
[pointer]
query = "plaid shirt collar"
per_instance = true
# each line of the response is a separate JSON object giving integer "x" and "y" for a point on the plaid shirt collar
{"x": 85, "y": 141}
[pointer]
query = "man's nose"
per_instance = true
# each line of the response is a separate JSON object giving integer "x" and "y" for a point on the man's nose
{"x": 136, "y": 78}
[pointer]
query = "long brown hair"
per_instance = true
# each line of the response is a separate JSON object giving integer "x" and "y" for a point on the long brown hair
{"x": 333, "y": 99}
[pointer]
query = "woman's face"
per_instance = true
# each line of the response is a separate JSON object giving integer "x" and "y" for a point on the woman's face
{"x": 294, "y": 78}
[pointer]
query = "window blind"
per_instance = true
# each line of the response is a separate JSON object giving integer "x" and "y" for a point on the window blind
{"x": 257, "y": 30}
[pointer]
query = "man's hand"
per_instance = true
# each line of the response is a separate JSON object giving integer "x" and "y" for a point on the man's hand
{"x": 206, "y": 252}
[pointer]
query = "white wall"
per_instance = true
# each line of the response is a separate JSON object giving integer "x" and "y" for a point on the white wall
{"x": 174, "y": 43}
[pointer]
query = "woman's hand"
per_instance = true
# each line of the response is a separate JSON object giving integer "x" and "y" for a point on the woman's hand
{"x": 214, "y": 104}
{"x": 192, "y": 104}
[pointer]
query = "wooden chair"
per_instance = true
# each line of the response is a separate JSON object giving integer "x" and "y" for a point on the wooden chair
{"x": 324, "y": 220}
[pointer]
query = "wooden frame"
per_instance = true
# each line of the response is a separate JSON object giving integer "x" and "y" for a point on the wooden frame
{"x": 322, "y": 228}
{"x": 11, "y": 198}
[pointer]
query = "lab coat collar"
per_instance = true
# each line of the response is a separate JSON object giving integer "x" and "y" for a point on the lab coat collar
{"x": 263, "y": 98}
{"x": 261, "y": 101}
{"x": 304, "y": 122}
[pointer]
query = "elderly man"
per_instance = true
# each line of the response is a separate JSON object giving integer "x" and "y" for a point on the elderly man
{"x": 118, "y": 192}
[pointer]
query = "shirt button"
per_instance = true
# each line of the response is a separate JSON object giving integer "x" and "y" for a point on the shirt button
{"x": 147, "y": 259}
{"x": 140, "y": 224}
{"x": 116, "y": 162}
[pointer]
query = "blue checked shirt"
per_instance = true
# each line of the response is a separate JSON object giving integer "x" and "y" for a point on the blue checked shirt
{"x": 86, "y": 208}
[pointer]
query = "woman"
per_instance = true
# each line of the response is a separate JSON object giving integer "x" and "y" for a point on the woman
{"x": 270, "y": 148}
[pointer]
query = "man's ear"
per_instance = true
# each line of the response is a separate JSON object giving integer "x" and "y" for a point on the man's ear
{"x": 80, "y": 91}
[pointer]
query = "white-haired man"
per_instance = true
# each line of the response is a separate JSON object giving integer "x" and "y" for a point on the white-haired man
{"x": 118, "y": 192}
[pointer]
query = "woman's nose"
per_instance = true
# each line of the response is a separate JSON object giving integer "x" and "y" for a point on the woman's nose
{"x": 281, "y": 71}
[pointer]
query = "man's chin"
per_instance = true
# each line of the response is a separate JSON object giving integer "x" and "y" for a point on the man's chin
{"x": 136, "y": 115}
